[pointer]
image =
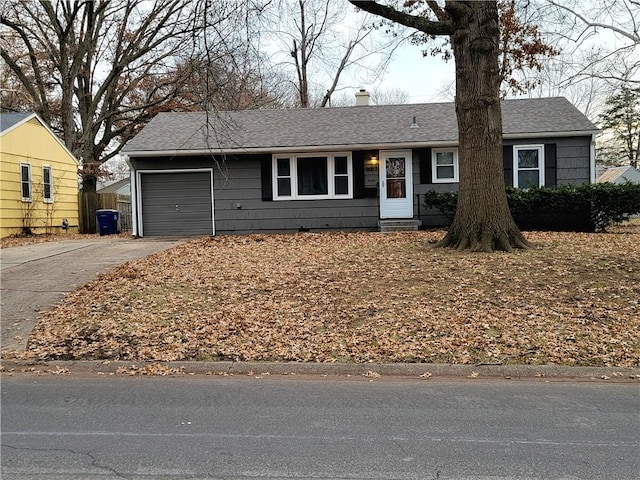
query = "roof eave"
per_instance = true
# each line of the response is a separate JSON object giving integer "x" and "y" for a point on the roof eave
{"x": 46, "y": 127}
{"x": 288, "y": 149}
{"x": 19, "y": 124}
{"x": 574, "y": 133}
{"x": 324, "y": 148}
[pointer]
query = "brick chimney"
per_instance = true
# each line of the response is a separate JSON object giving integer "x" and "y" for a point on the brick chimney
{"x": 362, "y": 97}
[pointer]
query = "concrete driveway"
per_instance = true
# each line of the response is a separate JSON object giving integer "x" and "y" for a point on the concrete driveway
{"x": 36, "y": 277}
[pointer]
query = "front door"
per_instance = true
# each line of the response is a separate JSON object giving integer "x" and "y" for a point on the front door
{"x": 396, "y": 184}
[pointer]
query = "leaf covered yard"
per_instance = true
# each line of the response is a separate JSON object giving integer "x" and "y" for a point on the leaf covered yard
{"x": 360, "y": 297}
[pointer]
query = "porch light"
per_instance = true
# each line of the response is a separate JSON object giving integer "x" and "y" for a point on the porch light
{"x": 374, "y": 160}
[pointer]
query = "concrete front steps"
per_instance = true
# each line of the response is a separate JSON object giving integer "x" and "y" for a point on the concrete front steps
{"x": 398, "y": 225}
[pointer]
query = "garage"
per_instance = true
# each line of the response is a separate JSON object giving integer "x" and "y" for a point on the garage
{"x": 176, "y": 203}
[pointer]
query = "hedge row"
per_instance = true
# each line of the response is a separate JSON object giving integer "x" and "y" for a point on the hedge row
{"x": 584, "y": 208}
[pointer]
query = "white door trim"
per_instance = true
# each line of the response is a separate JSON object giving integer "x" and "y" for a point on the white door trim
{"x": 396, "y": 207}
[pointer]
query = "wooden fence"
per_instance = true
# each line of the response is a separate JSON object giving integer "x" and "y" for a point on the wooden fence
{"x": 88, "y": 203}
{"x": 124, "y": 207}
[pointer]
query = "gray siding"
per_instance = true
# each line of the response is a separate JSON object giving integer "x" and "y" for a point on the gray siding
{"x": 572, "y": 156}
{"x": 240, "y": 208}
{"x": 572, "y": 167}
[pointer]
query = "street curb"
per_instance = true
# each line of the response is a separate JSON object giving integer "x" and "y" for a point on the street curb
{"x": 372, "y": 370}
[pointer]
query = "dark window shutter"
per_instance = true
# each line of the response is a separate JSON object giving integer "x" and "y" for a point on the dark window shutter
{"x": 266, "y": 178}
{"x": 507, "y": 161}
{"x": 358, "y": 174}
{"x": 424, "y": 155}
{"x": 550, "y": 165}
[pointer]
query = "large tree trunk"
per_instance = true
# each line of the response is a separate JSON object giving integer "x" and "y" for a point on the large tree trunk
{"x": 483, "y": 221}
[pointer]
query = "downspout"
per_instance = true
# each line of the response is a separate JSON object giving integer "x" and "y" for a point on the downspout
{"x": 592, "y": 163}
{"x": 134, "y": 197}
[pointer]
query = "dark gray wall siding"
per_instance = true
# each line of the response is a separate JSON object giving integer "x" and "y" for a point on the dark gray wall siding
{"x": 573, "y": 163}
{"x": 573, "y": 167}
{"x": 239, "y": 207}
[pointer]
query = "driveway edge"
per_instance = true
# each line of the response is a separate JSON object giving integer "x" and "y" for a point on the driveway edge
{"x": 372, "y": 370}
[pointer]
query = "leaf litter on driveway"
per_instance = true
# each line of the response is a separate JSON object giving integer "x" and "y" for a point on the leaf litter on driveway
{"x": 359, "y": 297}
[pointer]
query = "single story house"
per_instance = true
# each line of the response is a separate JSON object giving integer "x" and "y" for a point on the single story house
{"x": 345, "y": 168}
{"x": 38, "y": 178}
{"x": 620, "y": 175}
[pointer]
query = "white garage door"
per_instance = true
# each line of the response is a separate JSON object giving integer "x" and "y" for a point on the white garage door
{"x": 176, "y": 204}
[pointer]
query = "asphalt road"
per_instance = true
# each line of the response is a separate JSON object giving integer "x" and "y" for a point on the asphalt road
{"x": 273, "y": 427}
{"x": 36, "y": 277}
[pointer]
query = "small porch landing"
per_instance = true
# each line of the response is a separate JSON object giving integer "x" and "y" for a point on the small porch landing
{"x": 399, "y": 225}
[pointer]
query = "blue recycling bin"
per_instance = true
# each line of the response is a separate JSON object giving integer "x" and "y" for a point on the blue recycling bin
{"x": 107, "y": 221}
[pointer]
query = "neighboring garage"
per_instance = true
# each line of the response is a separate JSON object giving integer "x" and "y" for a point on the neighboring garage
{"x": 177, "y": 203}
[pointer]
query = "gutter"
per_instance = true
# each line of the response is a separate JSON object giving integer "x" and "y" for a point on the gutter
{"x": 358, "y": 146}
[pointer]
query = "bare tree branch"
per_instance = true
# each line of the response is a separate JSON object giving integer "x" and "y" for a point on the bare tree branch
{"x": 632, "y": 35}
{"x": 443, "y": 27}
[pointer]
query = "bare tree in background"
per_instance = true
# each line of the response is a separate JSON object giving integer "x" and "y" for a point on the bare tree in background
{"x": 317, "y": 44}
{"x": 97, "y": 71}
{"x": 575, "y": 23}
{"x": 600, "y": 49}
{"x": 392, "y": 96}
{"x": 599, "y": 59}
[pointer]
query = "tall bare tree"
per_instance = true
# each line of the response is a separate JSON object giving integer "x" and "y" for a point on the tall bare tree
{"x": 319, "y": 41}
{"x": 578, "y": 21}
{"x": 98, "y": 70}
{"x": 483, "y": 221}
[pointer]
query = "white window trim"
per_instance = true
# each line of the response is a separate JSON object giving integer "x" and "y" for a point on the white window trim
{"x": 293, "y": 175}
{"x": 45, "y": 199}
{"x": 434, "y": 165}
{"x": 541, "y": 163}
{"x": 30, "y": 197}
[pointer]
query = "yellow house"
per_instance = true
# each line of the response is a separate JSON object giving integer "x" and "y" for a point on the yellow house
{"x": 38, "y": 178}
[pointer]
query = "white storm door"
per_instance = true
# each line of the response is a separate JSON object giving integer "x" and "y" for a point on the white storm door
{"x": 396, "y": 184}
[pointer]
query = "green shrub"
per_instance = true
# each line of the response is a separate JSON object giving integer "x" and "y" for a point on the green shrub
{"x": 584, "y": 208}
{"x": 444, "y": 202}
{"x": 613, "y": 203}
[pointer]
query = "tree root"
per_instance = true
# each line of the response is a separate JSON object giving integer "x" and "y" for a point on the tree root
{"x": 484, "y": 241}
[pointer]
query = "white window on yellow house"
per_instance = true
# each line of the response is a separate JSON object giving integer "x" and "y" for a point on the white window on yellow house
{"x": 25, "y": 181}
{"x": 47, "y": 184}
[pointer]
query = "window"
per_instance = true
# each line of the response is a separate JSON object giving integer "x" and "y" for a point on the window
{"x": 312, "y": 177}
{"x": 283, "y": 177}
{"x": 528, "y": 166}
{"x": 47, "y": 184}
{"x": 25, "y": 181}
{"x": 444, "y": 165}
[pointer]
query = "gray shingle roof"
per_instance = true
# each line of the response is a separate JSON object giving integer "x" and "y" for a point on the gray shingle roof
{"x": 8, "y": 120}
{"x": 266, "y": 130}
